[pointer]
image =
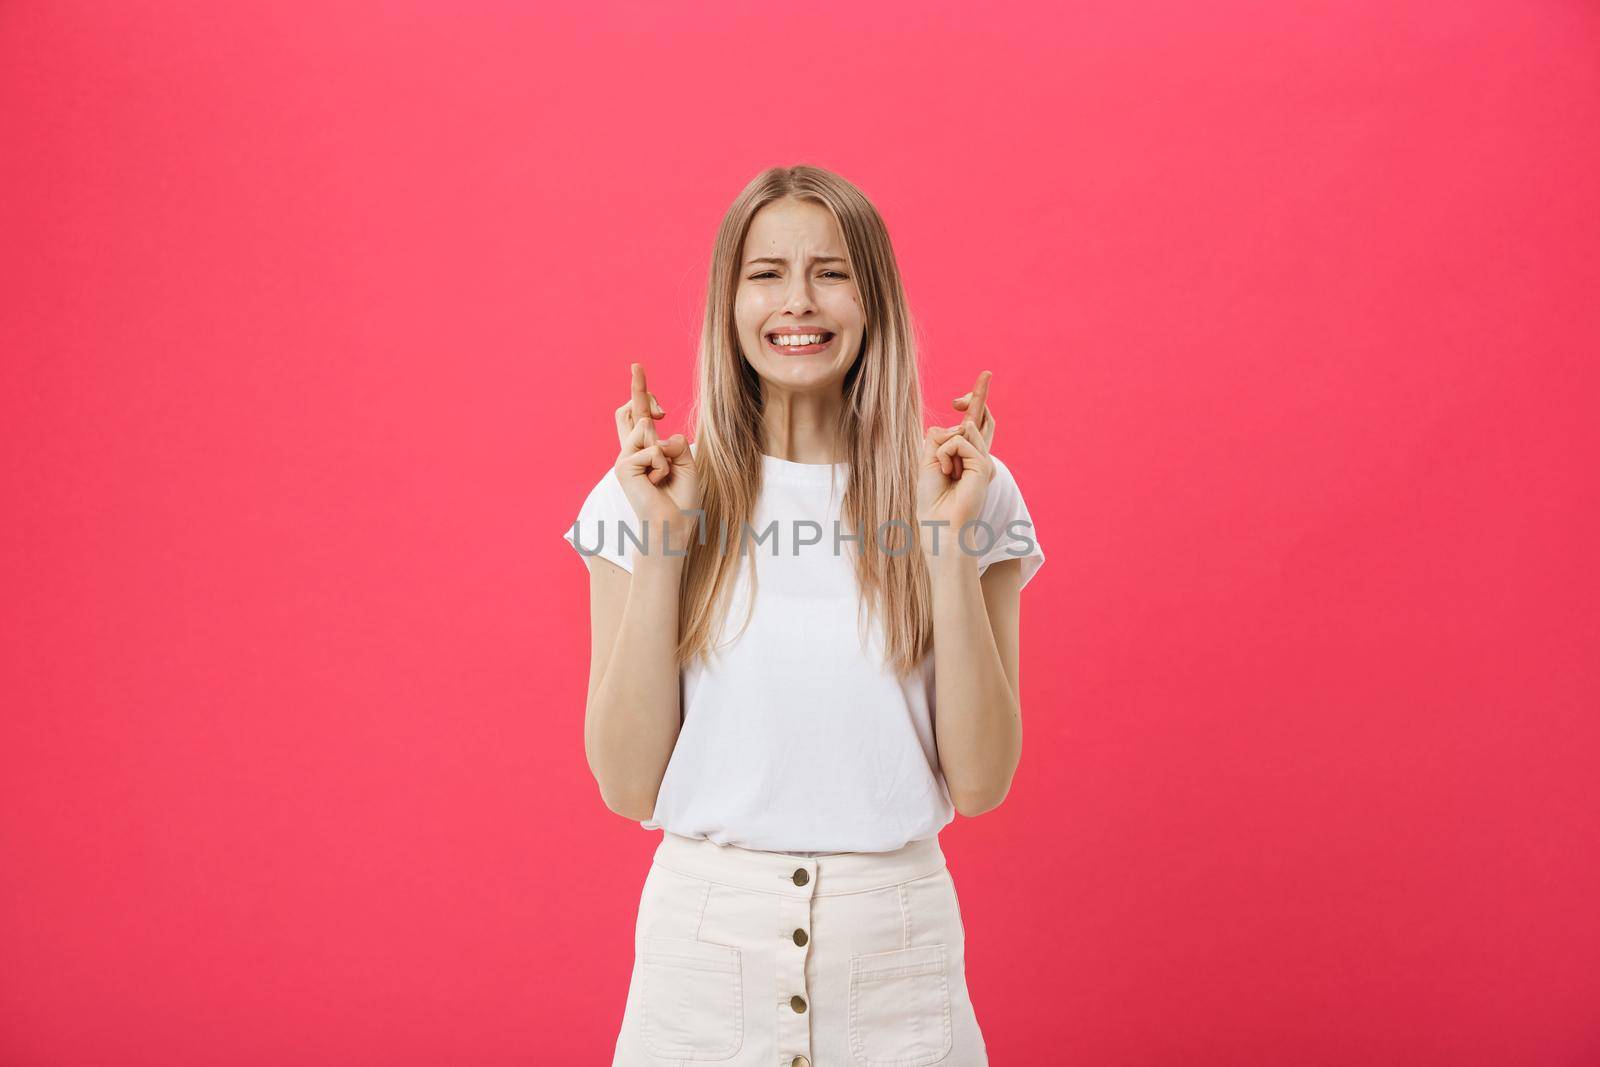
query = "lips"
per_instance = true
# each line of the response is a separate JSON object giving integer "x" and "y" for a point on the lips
{"x": 800, "y": 350}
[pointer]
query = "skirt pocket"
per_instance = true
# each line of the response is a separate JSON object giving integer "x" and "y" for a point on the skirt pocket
{"x": 900, "y": 1007}
{"x": 691, "y": 1000}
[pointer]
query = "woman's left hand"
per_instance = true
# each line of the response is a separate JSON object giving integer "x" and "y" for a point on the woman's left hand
{"x": 953, "y": 477}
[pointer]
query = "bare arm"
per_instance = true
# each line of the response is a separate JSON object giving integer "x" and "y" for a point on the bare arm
{"x": 631, "y": 721}
{"x": 978, "y": 718}
{"x": 977, "y": 645}
{"x": 633, "y": 712}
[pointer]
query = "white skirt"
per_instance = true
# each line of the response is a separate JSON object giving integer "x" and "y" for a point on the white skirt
{"x": 853, "y": 959}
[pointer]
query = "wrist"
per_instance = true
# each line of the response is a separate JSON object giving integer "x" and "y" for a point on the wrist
{"x": 664, "y": 539}
{"x": 941, "y": 540}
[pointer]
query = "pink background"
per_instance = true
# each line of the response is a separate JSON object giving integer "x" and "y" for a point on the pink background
{"x": 313, "y": 318}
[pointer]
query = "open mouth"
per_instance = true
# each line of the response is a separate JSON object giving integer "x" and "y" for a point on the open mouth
{"x": 799, "y": 344}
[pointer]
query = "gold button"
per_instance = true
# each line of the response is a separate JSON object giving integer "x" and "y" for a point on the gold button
{"x": 799, "y": 937}
{"x": 797, "y": 1003}
{"x": 799, "y": 1061}
{"x": 800, "y": 876}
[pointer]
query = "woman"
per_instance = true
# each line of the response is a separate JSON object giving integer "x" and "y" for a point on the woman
{"x": 761, "y": 682}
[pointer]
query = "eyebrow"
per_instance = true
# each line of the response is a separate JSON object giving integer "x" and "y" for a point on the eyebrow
{"x": 814, "y": 259}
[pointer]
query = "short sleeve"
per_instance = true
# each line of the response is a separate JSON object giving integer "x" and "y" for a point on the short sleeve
{"x": 597, "y": 529}
{"x": 1005, "y": 513}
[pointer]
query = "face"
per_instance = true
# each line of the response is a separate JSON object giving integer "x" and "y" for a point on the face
{"x": 794, "y": 279}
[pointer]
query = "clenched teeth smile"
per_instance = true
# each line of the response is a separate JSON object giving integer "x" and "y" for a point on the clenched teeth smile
{"x": 798, "y": 340}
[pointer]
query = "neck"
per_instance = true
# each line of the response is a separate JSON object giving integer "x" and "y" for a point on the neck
{"x": 801, "y": 427}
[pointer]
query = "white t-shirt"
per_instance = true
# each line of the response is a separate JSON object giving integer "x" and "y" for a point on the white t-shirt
{"x": 796, "y": 738}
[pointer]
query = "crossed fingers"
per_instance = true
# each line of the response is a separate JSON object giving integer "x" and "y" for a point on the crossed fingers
{"x": 641, "y": 405}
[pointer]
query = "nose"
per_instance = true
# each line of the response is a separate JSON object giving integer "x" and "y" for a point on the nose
{"x": 798, "y": 298}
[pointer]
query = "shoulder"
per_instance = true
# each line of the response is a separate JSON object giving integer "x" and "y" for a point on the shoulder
{"x": 1002, "y": 473}
{"x": 1010, "y": 523}
{"x": 1003, "y": 494}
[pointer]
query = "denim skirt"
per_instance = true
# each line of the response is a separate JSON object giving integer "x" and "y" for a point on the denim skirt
{"x": 850, "y": 959}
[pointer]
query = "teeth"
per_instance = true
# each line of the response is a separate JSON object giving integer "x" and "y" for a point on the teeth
{"x": 797, "y": 339}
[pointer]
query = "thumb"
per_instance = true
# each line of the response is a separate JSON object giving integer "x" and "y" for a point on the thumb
{"x": 676, "y": 448}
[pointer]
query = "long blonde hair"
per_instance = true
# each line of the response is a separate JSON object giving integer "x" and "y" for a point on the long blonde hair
{"x": 880, "y": 432}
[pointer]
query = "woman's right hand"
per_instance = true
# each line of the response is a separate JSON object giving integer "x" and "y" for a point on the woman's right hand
{"x": 659, "y": 477}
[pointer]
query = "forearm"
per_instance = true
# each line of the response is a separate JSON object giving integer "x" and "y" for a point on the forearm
{"x": 632, "y": 721}
{"x": 978, "y": 720}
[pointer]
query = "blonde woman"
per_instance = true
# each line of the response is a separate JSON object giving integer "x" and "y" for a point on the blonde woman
{"x": 770, "y": 605}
